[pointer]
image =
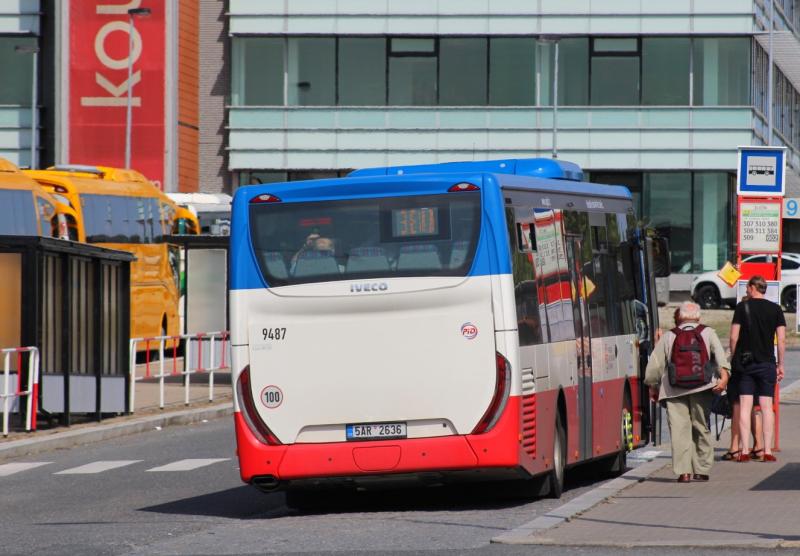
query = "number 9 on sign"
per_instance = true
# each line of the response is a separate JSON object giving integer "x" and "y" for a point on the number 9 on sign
{"x": 791, "y": 207}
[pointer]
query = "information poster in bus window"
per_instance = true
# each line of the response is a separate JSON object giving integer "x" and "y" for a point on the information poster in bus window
{"x": 759, "y": 226}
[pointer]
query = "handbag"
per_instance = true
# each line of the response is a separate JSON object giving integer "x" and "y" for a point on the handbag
{"x": 721, "y": 407}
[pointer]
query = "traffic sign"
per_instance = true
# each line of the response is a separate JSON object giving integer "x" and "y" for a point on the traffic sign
{"x": 761, "y": 172}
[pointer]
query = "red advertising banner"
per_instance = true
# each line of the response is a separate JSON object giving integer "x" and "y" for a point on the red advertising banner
{"x": 98, "y": 76}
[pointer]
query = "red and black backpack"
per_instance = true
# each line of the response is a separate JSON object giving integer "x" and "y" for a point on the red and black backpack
{"x": 688, "y": 366}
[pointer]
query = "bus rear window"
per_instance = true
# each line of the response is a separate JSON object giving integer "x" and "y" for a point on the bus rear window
{"x": 431, "y": 235}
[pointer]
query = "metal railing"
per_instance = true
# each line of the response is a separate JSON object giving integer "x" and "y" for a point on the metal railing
{"x": 32, "y": 391}
{"x": 193, "y": 361}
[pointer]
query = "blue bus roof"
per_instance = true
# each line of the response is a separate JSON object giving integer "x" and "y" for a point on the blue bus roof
{"x": 532, "y": 167}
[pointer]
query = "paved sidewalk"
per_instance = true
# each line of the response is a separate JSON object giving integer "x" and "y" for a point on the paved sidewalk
{"x": 750, "y": 504}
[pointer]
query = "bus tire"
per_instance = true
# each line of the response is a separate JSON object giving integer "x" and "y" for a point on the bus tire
{"x": 556, "y": 476}
{"x": 620, "y": 459}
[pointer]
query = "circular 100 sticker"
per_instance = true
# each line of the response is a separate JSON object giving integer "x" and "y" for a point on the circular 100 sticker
{"x": 271, "y": 397}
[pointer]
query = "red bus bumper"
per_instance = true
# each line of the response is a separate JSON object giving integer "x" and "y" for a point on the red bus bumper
{"x": 498, "y": 448}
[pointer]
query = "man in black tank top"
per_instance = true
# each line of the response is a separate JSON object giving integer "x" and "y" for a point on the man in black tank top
{"x": 756, "y": 322}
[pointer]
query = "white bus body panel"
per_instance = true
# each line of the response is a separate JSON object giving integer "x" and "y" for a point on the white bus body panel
{"x": 397, "y": 354}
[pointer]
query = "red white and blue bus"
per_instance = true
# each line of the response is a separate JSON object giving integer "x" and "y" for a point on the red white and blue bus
{"x": 481, "y": 321}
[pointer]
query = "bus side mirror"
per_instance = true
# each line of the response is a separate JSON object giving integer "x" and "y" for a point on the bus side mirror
{"x": 661, "y": 258}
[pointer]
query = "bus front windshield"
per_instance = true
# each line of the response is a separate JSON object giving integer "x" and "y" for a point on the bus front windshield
{"x": 431, "y": 235}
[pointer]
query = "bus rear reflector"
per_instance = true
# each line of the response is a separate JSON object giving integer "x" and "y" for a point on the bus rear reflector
{"x": 464, "y": 186}
{"x": 502, "y": 389}
{"x": 251, "y": 417}
{"x": 265, "y": 198}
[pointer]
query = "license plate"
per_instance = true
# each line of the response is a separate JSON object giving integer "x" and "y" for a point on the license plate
{"x": 376, "y": 431}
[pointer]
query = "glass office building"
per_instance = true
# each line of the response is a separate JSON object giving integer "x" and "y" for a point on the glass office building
{"x": 656, "y": 98}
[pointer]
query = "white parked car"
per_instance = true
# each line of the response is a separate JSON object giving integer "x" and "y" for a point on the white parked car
{"x": 710, "y": 292}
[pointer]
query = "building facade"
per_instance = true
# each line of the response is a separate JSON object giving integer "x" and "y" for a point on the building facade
{"x": 655, "y": 96}
{"x": 70, "y": 59}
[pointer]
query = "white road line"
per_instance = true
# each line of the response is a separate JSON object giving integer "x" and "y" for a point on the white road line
{"x": 7, "y": 469}
{"x": 188, "y": 464}
{"x": 97, "y": 467}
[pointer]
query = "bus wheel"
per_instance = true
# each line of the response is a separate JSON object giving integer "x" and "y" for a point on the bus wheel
{"x": 620, "y": 461}
{"x": 556, "y": 477}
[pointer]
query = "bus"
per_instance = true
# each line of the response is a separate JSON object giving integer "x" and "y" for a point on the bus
{"x": 121, "y": 209}
{"x": 28, "y": 209}
{"x": 473, "y": 321}
{"x": 212, "y": 211}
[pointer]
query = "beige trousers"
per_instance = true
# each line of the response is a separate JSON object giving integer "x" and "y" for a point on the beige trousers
{"x": 692, "y": 451}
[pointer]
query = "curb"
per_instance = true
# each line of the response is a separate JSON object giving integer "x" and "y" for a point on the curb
{"x": 98, "y": 433}
{"x": 527, "y": 533}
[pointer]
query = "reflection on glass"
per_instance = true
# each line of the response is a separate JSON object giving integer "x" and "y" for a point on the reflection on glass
{"x": 362, "y": 71}
{"x": 312, "y": 71}
{"x": 412, "y": 81}
{"x": 462, "y": 72}
{"x": 512, "y": 79}
{"x": 710, "y": 229}
{"x": 257, "y": 72}
{"x": 721, "y": 68}
{"x": 663, "y": 192}
{"x": 665, "y": 71}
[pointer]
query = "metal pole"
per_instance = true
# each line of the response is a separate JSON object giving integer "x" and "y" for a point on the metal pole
{"x": 555, "y": 100}
{"x": 34, "y": 110}
{"x": 769, "y": 73}
{"x": 129, "y": 115}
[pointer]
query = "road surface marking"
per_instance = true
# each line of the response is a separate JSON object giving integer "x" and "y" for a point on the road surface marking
{"x": 7, "y": 469}
{"x": 97, "y": 467}
{"x": 188, "y": 464}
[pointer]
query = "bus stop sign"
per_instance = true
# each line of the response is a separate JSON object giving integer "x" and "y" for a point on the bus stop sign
{"x": 761, "y": 172}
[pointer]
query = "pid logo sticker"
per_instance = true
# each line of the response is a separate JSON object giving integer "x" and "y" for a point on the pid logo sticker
{"x": 469, "y": 330}
{"x": 271, "y": 397}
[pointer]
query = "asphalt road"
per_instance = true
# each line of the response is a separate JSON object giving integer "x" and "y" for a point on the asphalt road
{"x": 116, "y": 497}
{"x": 177, "y": 491}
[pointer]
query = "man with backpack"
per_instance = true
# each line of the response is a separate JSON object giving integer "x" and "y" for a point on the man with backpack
{"x": 688, "y": 363}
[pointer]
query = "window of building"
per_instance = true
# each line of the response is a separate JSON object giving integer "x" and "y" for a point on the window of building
{"x": 665, "y": 71}
{"x": 721, "y": 68}
{"x": 362, "y": 71}
{"x": 463, "y": 71}
{"x": 412, "y": 72}
{"x": 614, "y": 77}
{"x": 512, "y": 71}
{"x": 257, "y": 72}
{"x": 710, "y": 220}
{"x": 663, "y": 192}
{"x": 573, "y": 72}
{"x": 312, "y": 71}
{"x": 16, "y": 90}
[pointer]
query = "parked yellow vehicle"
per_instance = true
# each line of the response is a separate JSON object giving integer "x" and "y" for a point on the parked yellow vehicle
{"x": 27, "y": 208}
{"x": 121, "y": 209}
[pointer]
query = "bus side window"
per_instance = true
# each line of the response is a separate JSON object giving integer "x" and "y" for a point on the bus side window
{"x": 45, "y": 211}
{"x": 531, "y": 322}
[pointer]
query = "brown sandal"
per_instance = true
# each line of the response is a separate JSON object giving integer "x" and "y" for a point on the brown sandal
{"x": 730, "y": 456}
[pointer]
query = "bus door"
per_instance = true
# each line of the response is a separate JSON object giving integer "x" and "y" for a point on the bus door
{"x": 583, "y": 342}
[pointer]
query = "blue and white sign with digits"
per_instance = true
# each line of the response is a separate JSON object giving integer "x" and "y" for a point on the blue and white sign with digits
{"x": 761, "y": 172}
{"x": 791, "y": 208}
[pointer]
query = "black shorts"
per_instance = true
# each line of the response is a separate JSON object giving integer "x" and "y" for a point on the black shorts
{"x": 756, "y": 380}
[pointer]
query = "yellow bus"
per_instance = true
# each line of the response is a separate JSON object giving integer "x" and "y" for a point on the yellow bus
{"x": 121, "y": 209}
{"x": 28, "y": 209}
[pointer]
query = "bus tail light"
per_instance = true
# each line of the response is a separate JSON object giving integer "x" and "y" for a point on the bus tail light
{"x": 249, "y": 413}
{"x": 463, "y": 186}
{"x": 265, "y": 198}
{"x": 502, "y": 388}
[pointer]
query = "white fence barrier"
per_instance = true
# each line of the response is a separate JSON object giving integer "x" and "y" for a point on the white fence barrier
{"x": 31, "y": 392}
{"x": 202, "y": 354}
